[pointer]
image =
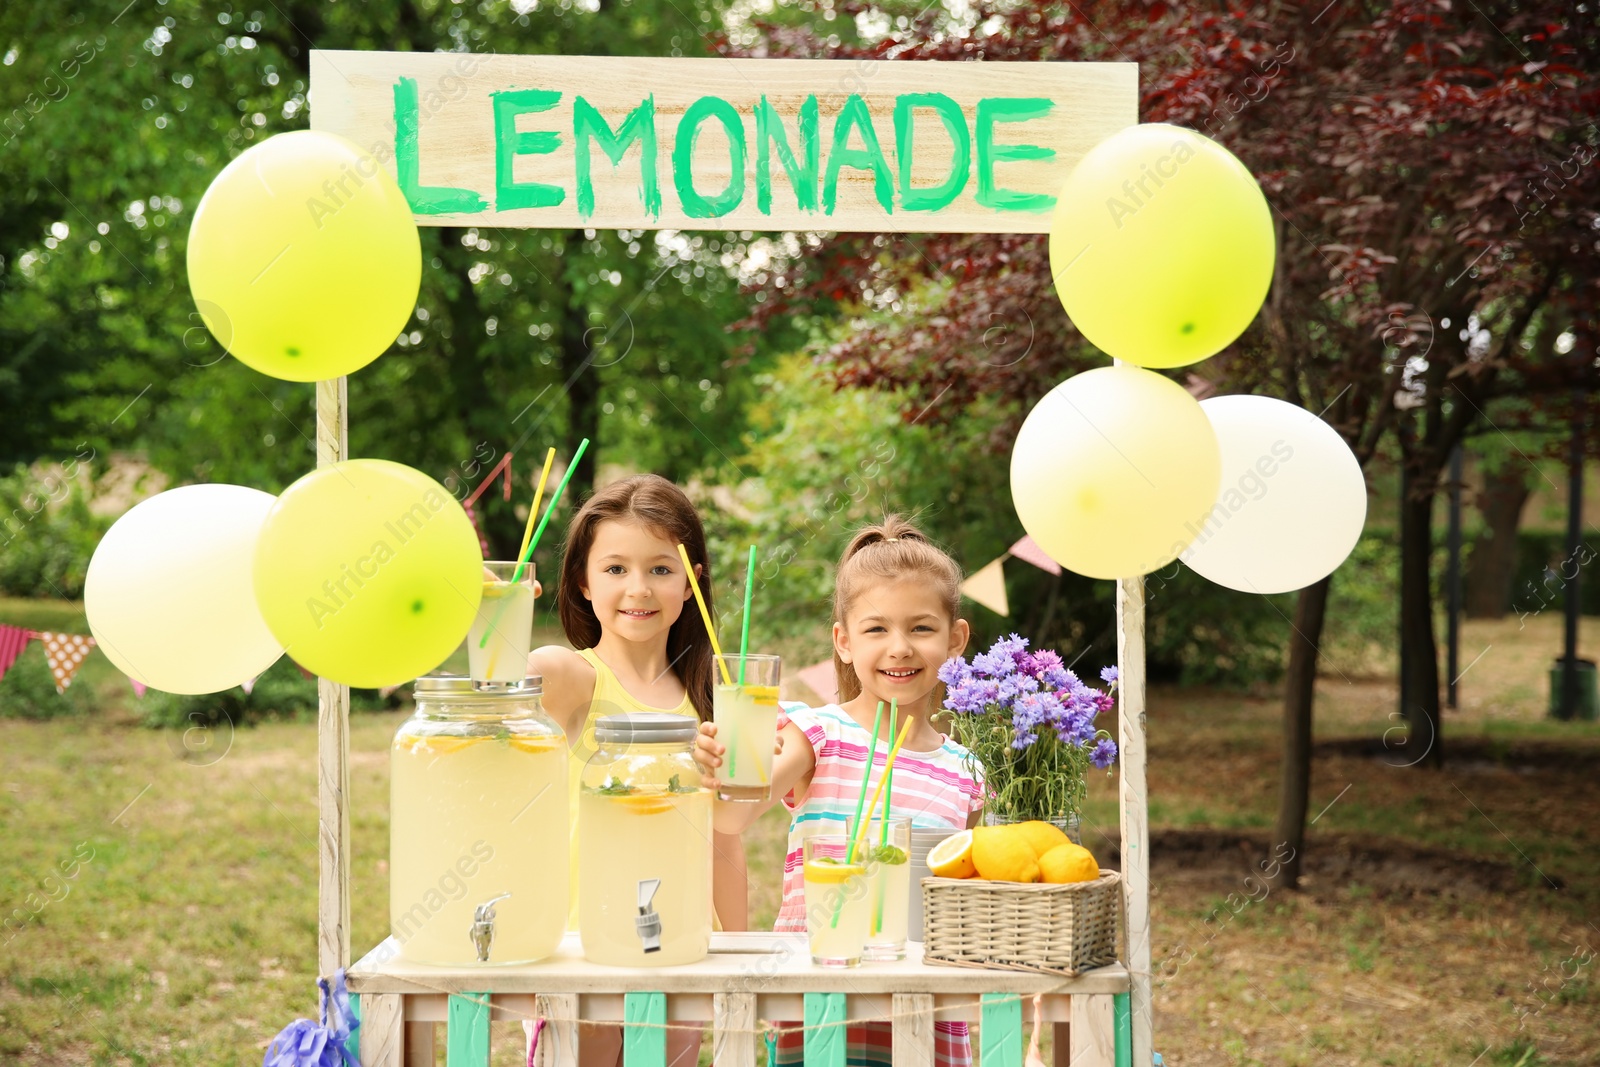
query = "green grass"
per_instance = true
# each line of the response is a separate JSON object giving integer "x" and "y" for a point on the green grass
{"x": 188, "y": 936}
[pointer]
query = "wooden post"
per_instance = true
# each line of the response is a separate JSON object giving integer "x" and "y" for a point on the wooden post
{"x": 1135, "y": 821}
{"x": 733, "y": 1041}
{"x": 558, "y": 1044}
{"x": 912, "y": 1029}
{"x": 333, "y": 741}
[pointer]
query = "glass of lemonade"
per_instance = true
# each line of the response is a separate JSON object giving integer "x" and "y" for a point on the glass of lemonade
{"x": 838, "y": 900}
{"x": 478, "y": 827}
{"x": 502, "y": 632}
{"x": 644, "y": 844}
{"x": 888, "y": 860}
{"x": 747, "y": 725}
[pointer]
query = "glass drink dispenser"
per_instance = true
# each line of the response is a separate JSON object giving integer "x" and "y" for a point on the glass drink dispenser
{"x": 478, "y": 825}
{"x": 644, "y": 844}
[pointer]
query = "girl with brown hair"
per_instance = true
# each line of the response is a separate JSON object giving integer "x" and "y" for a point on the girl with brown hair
{"x": 623, "y": 600}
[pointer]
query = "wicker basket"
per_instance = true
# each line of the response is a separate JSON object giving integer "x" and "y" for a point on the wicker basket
{"x": 1051, "y": 929}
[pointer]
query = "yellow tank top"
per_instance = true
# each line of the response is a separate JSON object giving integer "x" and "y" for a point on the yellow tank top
{"x": 610, "y": 698}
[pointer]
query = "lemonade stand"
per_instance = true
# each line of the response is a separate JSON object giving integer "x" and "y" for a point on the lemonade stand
{"x": 370, "y": 575}
{"x": 507, "y": 141}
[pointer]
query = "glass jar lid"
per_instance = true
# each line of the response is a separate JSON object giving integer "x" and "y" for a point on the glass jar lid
{"x": 646, "y": 728}
{"x": 460, "y": 687}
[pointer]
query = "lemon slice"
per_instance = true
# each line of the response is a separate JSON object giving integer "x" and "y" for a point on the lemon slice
{"x": 832, "y": 872}
{"x": 952, "y": 857}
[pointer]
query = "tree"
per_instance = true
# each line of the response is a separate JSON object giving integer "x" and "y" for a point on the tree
{"x": 114, "y": 122}
{"x": 1429, "y": 257}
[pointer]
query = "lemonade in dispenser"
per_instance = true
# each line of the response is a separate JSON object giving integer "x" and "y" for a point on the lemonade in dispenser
{"x": 644, "y": 844}
{"x": 478, "y": 826}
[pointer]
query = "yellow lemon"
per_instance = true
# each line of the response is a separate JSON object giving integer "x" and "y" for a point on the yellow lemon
{"x": 832, "y": 872}
{"x": 1002, "y": 855}
{"x": 1068, "y": 863}
{"x": 952, "y": 857}
{"x": 1041, "y": 836}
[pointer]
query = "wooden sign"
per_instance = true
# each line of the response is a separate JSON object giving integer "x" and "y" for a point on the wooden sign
{"x": 722, "y": 144}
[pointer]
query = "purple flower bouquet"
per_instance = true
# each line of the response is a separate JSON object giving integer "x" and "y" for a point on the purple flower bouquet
{"x": 1030, "y": 722}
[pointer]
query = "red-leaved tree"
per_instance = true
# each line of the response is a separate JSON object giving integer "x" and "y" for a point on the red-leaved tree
{"x": 1433, "y": 174}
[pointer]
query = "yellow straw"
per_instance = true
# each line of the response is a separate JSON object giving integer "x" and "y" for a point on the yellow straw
{"x": 864, "y": 825}
{"x": 538, "y": 495}
{"x": 711, "y": 631}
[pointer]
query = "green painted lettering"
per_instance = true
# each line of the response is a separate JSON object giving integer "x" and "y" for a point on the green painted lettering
{"x": 424, "y": 199}
{"x": 960, "y": 150}
{"x": 802, "y": 174}
{"x": 510, "y": 194}
{"x": 1009, "y": 109}
{"x": 695, "y": 205}
{"x": 855, "y": 116}
{"x": 640, "y": 125}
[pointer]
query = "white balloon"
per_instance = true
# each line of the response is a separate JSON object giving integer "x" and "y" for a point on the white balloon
{"x": 1292, "y": 503}
{"x": 170, "y": 595}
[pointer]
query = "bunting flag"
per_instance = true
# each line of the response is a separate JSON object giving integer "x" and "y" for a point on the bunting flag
{"x": 1029, "y": 552}
{"x": 13, "y": 639}
{"x": 247, "y": 685}
{"x": 65, "y": 654}
{"x": 503, "y": 465}
{"x": 988, "y": 587}
{"x": 472, "y": 517}
{"x": 822, "y": 680}
{"x": 308, "y": 675}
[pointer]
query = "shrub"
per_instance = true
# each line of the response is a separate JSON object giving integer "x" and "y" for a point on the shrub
{"x": 46, "y": 534}
{"x": 281, "y": 692}
{"x": 28, "y": 690}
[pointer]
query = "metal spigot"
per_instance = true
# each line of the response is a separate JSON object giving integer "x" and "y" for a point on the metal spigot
{"x": 648, "y": 922}
{"x": 483, "y": 926}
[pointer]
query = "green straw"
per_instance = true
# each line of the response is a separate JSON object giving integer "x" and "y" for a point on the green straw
{"x": 533, "y": 542}
{"x": 749, "y": 588}
{"x": 861, "y": 801}
{"x": 538, "y": 532}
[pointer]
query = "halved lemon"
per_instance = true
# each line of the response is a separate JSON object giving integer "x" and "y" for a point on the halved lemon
{"x": 645, "y": 803}
{"x": 832, "y": 872}
{"x": 536, "y": 746}
{"x": 952, "y": 857}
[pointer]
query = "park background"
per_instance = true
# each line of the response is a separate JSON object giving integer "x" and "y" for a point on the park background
{"x": 1432, "y": 173}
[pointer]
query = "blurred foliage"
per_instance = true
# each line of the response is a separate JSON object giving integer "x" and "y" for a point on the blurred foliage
{"x": 281, "y": 692}
{"x": 46, "y": 532}
{"x": 28, "y": 690}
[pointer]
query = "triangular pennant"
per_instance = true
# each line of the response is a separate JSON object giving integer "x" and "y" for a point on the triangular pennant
{"x": 13, "y": 639}
{"x": 1029, "y": 551}
{"x": 822, "y": 680}
{"x": 472, "y": 517}
{"x": 308, "y": 675}
{"x": 988, "y": 587}
{"x": 139, "y": 688}
{"x": 247, "y": 685}
{"x": 65, "y": 654}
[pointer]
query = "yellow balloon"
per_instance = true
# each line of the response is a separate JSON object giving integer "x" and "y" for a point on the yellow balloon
{"x": 1161, "y": 246}
{"x": 368, "y": 572}
{"x": 304, "y": 260}
{"x": 1114, "y": 472}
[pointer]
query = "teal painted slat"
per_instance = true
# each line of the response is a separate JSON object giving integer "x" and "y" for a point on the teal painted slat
{"x": 353, "y": 1045}
{"x": 467, "y": 1031}
{"x": 1000, "y": 1032}
{"x": 644, "y": 1045}
{"x": 1122, "y": 1021}
{"x": 825, "y": 1038}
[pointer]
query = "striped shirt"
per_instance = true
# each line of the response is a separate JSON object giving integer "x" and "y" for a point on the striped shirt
{"x": 937, "y": 789}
